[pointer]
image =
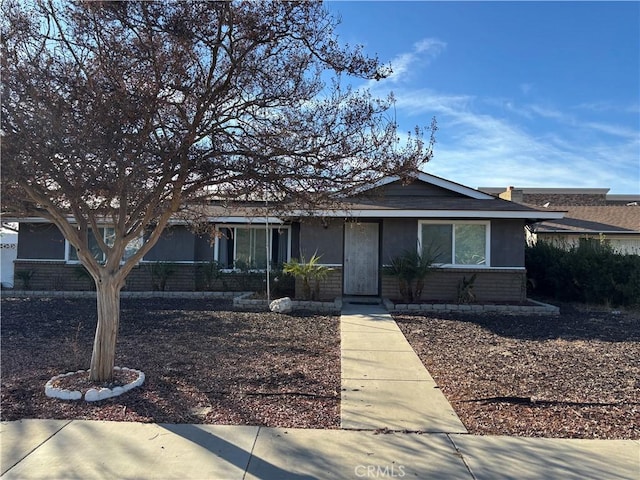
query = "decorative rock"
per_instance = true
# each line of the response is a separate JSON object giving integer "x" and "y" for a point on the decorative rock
{"x": 75, "y": 395}
{"x": 281, "y": 305}
{"x": 105, "y": 393}
{"x": 91, "y": 395}
{"x": 49, "y": 391}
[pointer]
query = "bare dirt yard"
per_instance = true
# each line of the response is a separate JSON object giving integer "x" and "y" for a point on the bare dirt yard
{"x": 574, "y": 376}
{"x": 204, "y": 362}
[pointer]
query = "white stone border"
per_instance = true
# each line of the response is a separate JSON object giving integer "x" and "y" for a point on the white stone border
{"x": 93, "y": 394}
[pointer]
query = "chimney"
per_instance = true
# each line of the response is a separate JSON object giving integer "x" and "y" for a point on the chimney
{"x": 512, "y": 194}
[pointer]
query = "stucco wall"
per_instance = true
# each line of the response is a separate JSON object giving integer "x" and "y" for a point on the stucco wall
{"x": 507, "y": 243}
{"x": 324, "y": 238}
{"x": 176, "y": 244}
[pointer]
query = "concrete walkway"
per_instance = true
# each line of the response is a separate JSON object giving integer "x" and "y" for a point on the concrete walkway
{"x": 384, "y": 383}
{"x": 384, "y": 386}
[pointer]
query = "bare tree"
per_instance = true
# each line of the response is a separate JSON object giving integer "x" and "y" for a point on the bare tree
{"x": 120, "y": 115}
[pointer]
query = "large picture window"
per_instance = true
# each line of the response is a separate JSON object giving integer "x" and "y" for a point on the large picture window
{"x": 455, "y": 243}
{"x": 107, "y": 235}
{"x": 246, "y": 247}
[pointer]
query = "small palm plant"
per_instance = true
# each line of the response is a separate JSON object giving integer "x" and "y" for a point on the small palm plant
{"x": 411, "y": 268}
{"x": 309, "y": 272}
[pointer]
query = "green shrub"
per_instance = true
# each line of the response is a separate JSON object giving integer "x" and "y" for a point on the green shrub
{"x": 411, "y": 269}
{"x": 25, "y": 277}
{"x": 310, "y": 272}
{"x": 589, "y": 272}
{"x": 160, "y": 273}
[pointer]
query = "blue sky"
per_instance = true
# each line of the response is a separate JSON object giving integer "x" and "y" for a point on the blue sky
{"x": 542, "y": 94}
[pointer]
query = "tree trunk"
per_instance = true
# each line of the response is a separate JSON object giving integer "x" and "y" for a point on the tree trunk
{"x": 104, "y": 344}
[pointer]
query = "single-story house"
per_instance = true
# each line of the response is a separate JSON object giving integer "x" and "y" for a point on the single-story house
{"x": 473, "y": 231}
{"x": 590, "y": 213}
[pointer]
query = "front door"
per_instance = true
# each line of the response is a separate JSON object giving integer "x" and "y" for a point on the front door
{"x": 361, "y": 246}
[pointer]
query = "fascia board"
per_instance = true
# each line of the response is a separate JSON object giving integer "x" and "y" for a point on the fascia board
{"x": 454, "y": 187}
{"x": 486, "y": 214}
{"x": 589, "y": 232}
{"x": 241, "y": 219}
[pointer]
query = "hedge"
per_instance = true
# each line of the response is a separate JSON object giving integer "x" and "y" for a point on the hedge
{"x": 590, "y": 272}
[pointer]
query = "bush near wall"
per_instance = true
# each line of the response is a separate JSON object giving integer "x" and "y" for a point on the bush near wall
{"x": 589, "y": 272}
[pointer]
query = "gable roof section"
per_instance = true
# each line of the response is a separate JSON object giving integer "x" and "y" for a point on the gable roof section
{"x": 428, "y": 196}
{"x": 436, "y": 181}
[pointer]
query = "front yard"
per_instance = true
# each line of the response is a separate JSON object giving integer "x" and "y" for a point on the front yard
{"x": 204, "y": 363}
{"x": 576, "y": 375}
{"x": 573, "y": 376}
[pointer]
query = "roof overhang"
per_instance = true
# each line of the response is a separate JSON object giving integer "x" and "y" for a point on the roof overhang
{"x": 386, "y": 213}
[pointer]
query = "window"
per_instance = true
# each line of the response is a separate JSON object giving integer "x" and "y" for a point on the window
{"x": 246, "y": 247}
{"x": 108, "y": 235}
{"x": 455, "y": 243}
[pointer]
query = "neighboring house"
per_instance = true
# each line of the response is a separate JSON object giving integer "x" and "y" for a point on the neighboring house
{"x": 590, "y": 213}
{"x": 474, "y": 232}
{"x": 8, "y": 250}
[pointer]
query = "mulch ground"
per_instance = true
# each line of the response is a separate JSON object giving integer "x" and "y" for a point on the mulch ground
{"x": 204, "y": 363}
{"x": 575, "y": 376}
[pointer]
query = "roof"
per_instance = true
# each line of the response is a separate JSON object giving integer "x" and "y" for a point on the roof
{"x": 428, "y": 196}
{"x": 421, "y": 196}
{"x": 620, "y": 219}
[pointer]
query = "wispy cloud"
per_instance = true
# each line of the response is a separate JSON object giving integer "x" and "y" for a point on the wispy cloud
{"x": 478, "y": 147}
{"x": 422, "y": 54}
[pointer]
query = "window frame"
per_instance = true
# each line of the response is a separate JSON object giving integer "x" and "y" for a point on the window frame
{"x": 234, "y": 238}
{"x": 104, "y": 228}
{"x": 453, "y": 223}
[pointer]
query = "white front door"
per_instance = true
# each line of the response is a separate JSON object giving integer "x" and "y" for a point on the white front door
{"x": 361, "y": 245}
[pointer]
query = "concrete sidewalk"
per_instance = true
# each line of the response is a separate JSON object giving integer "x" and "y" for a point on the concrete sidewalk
{"x": 384, "y": 386}
{"x": 54, "y": 449}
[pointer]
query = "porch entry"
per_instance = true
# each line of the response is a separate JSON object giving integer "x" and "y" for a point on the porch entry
{"x": 361, "y": 262}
